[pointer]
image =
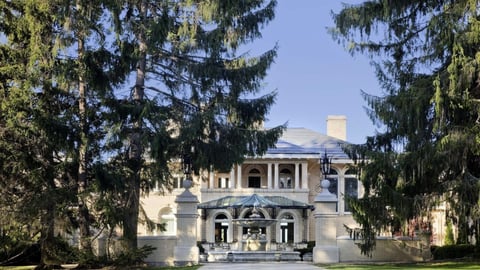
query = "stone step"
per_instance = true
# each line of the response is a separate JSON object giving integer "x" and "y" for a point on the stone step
{"x": 253, "y": 256}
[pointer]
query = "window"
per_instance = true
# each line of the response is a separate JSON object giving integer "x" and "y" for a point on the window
{"x": 254, "y": 182}
{"x": 223, "y": 182}
{"x": 177, "y": 182}
{"x": 351, "y": 187}
{"x": 286, "y": 179}
{"x": 166, "y": 219}
{"x": 254, "y": 179}
{"x": 254, "y": 171}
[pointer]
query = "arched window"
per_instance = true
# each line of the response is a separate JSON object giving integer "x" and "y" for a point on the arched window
{"x": 287, "y": 228}
{"x": 351, "y": 186}
{"x": 286, "y": 179}
{"x": 254, "y": 178}
{"x": 166, "y": 224}
{"x": 254, "y": 171}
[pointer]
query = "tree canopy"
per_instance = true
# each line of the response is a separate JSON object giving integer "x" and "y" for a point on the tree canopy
{"x": 426, "y": 58}
{"x": 100, "y": 98}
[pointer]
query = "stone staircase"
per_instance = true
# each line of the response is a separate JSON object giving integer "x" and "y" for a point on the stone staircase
{"x": 414, "y": 248}
{"x": 252, "y": 256}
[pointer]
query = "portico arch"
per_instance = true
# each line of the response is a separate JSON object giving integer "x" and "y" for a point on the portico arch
{"x": 222, "y": 229}
{"x": 289, "y": 226}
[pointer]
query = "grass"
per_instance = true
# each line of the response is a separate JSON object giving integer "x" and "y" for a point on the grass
{"x": 174, "y": 267}
{"x": 425, "y": 266}
{"x": 26, "y": 267}
{"x": 339, "y": 266}
{"x": 144, "y": 268}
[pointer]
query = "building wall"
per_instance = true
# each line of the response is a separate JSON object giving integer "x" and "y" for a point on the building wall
{"x": 207, "y": 188}
{"x": 387, "y": 250}
{"x": 163, "y": 254}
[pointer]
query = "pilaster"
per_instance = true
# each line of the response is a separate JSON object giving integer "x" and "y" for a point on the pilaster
{"x": 326, "y": 249}
{"x": 186, "y": 252}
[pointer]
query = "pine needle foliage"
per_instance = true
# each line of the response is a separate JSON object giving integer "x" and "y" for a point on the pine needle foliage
{"x": 101, "y": 98}
{"x": 425, "y": 54}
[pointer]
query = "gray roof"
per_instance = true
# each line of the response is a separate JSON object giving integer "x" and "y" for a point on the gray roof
{"x": 303, "y": 141}
{"x": 254, "y": 200}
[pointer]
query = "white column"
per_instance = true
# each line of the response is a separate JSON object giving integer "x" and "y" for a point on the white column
{"x": 277, "y": 174}
{"x": 297, "y": 176}
{"x": 232, "y": 178}
{"x": 305, "y": 175}
{"x": 269, "y": 175}
{"x": 211, "y": 179}
{"x": 239, "y": 176}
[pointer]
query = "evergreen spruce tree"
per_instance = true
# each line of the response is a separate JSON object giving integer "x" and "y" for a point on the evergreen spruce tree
{"x": 68, "y": 117}
{"x": 52, "y": 52}
{"x": 194, "y": 88}
{"x": 34, "y": 127}
{"x": 92, "y": 65}
{"x": 426, "y": 57}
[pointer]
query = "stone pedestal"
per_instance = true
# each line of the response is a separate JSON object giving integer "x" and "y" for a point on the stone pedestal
{"x": 186, "y": 252}
{"x": 326, "y": 249}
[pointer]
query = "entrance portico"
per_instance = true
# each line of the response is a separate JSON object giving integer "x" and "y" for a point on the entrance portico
{"x": 223, "y": 232}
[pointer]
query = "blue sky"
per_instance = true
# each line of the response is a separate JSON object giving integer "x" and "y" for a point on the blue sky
{"x": 313, "y": 75}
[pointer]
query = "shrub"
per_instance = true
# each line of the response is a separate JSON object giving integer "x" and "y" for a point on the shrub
{"x": 308, "y": 249}
{"x": 453, "y": 251}
{"x": 20, "y": 254}
{"x": 133, "y": 257}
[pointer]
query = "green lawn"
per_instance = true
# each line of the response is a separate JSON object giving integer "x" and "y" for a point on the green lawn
{"x": 146, "y": 268}
{"x": 378, "y": 266}
{"x": 17, "y": 267}
{"x": 175, "y": 268}
{"x": 425, "y": 266}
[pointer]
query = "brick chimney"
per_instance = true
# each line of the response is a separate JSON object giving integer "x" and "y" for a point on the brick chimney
{"x": 337, "y": 126}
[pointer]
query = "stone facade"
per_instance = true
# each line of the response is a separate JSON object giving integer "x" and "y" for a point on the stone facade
{"x": 291, "y": 172}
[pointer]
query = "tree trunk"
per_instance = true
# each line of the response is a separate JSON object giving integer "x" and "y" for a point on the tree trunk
{"x": 47, "y": 232}
{"x": 135, "y": 155}
{"x": 83, "y": 213}
{"x": 47, "y": 238}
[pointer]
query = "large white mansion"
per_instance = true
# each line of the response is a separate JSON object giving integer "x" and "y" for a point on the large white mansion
{"x": 282, "y": 189}
{"x": 284, "y": 182}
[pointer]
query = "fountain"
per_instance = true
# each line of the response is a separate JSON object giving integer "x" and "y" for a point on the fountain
{"x": 255, "y": 239}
